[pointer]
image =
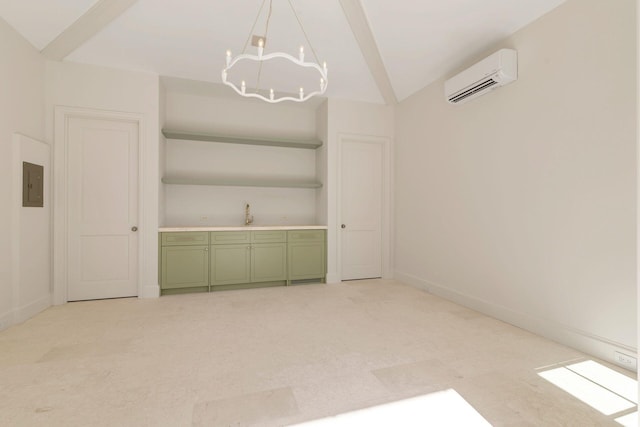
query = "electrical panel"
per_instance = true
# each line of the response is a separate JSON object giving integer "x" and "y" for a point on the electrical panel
{"x": 32, "y": 185}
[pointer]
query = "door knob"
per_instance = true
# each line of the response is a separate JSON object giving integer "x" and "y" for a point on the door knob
{"x": 134, "y": 228}
{"x": 343, "y": 226}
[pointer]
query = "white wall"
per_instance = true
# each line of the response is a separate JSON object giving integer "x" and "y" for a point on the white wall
{"x": 99, "y": 88}
{"x": 521, "y": 203}
{"x": 198, "y": 107}
{"x": 348, "y": 118}
{"x": 21, "y": 110}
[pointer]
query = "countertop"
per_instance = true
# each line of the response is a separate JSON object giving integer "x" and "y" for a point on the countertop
{"x": 243, "y": 228}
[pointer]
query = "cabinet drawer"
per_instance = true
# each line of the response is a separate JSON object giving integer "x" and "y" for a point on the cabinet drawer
{"x": 269, "y": 236}
{"x": 305, "y": 236}
{"x": 185, "y": 238}
{"x": 230, "y": 237}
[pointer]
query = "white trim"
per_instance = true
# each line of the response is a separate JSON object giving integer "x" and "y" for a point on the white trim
{"x": 357, "y": 19}
{"x": 564, "y": 334}
{"x": 637, "y": 177}
{"x": 60, "y": 170}
{"x": 148, "y": 291}
{"x": 19, "y": 314}
{"x": 27, "y": 311}
{"x": 16, "y": 205}
{"x": 333, "y": 278}
{"x": 101, "y": 14}
{"x": 387, "y": 200}
{"x": 6, "y": 320}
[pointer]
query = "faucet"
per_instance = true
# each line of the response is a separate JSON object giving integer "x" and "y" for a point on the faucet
{"x": 248, "y": 218}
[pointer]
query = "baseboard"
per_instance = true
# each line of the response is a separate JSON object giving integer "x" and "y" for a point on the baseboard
{"x": 150, "y": 291}
{"x": 586, "y": 342}
{"x": 333, "y": 278}
{"x": 6, "y": 320}
{"x": 24, "y": 313}
{"x": 27, "y": 311}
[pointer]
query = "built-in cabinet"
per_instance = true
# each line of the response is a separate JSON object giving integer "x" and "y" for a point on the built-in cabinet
{"x": 248, "y": 257}
{"x": 207, "y": 261}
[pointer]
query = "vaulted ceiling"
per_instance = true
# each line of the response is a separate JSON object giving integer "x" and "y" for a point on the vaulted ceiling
{"x": 376, "y": 50}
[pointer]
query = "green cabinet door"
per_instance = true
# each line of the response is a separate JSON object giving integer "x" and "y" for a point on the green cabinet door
{"x": 268, "y": 262}
{"x": 230, "y": 264}
{"x": 306, "y": 260}
{"x": 184, "y": 267}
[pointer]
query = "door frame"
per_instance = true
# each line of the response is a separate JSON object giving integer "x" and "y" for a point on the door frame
{"x": 387, "y": 200}
{"x": 62, "y": 115}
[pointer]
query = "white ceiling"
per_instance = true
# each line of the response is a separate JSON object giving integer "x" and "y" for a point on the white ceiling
{"x": 40, "y": 21}
{"x": 419, "y": 40}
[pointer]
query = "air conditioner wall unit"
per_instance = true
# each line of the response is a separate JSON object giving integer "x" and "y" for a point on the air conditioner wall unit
{"x": 492, "y": 72}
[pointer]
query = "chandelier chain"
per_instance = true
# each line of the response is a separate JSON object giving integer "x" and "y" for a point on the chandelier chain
{"x": 266, "y": 32}
{"x": 303, "y": 31}
{"x": 253, "y": 27}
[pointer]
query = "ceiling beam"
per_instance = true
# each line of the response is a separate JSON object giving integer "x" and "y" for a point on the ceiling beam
{"x": 95, "y": 19}
{"x": 362, "y": 31}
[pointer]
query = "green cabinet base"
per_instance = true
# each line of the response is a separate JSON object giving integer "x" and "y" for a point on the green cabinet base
{"x": 218, "y": 288}
{"x": 248, "y": 286}
{"x": 178, "y": 291}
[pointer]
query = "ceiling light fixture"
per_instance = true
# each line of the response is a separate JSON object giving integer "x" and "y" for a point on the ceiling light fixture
{"x": 261, "y": 58}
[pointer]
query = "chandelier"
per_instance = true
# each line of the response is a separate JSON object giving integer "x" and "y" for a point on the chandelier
{"x": 259, "y": 42}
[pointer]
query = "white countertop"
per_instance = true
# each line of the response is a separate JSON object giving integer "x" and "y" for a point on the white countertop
{"x": 244, "y": 228}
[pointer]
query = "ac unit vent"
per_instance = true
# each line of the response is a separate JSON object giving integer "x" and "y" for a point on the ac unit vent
{"x": 472, "y": 90}
{"x": 494, "y": 71}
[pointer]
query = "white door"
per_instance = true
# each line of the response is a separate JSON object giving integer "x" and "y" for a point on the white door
{"x": 102, "y": 208}
{"x": 361, "y": 209}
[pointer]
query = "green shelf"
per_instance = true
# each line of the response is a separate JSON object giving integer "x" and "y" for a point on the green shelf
{"x": 241, "y": 182}
{"x": 189, "y": 136}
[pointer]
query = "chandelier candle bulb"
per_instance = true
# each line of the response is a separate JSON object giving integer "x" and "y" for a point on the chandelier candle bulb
{"x": 228, "y": 57}
{"x": 243, "y": 87}
{"x": 260, "y": 47}
{"x": 324, "y": 67}
{"x": 301, "y": 53}
{"x": 271, "y": 94}
{"x": 321, "y": 84}
{"x": 301, "y": 93}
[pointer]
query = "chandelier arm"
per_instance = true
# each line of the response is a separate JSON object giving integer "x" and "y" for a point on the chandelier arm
{"x": 271, "y": 99}
{"x": 253, "y": 27}
{"x": 277, "y": 55}
{"x": 303, "y": 31}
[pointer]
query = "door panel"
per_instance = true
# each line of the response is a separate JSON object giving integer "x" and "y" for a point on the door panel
{"x": 361, "y": 209}
{"x": 230, "y": 264}
{"x": 102, "y": 208}
{"x": 185, "y": 267}
{"x": 94, "y": 250}
{"x": 306, "y": 260}
{"x": 269, "y": 262}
